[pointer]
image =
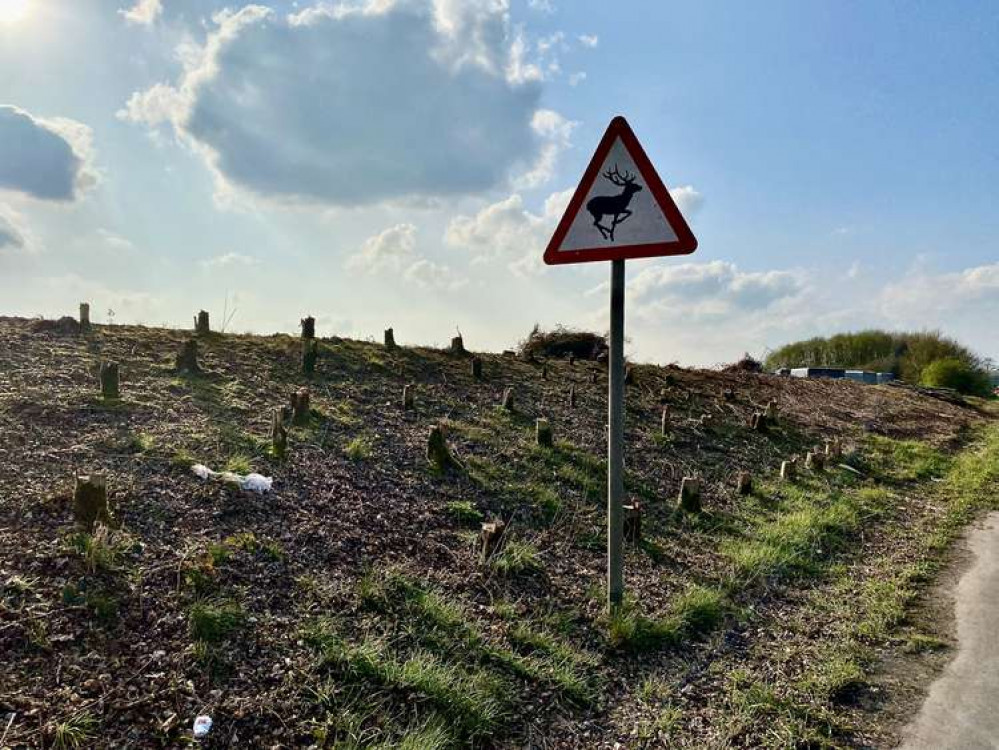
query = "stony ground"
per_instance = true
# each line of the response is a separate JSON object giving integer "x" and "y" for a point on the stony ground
{"x": 348, "y": 607}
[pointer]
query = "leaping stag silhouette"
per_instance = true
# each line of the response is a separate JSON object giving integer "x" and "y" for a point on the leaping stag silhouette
{"x": 613, "y": 205}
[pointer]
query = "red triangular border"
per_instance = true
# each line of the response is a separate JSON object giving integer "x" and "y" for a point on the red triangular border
{"x": 685, "y": 242}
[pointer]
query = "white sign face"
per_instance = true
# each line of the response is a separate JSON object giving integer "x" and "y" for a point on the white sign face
{"x": 621, "y": 208}
{"x": 632, "y": 215}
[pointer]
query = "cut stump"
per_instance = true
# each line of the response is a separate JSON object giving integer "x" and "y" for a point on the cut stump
{"x": 543, "y": 431}
{"x": 491, "y": 540}
{"x": 90, "y": 502}
{"x": 201, "y": 324}
{"x": 690, "y": 495}
{"x": 109, "y": 379}
{"x": 187, "y": 357}
{"x": 308, "y": 327}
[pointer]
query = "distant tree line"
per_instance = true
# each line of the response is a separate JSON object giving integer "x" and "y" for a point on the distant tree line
{"x": 928, "y": 358}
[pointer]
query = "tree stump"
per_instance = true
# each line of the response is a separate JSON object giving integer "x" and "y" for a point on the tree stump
{"x": 90, "y": 502}
{"x": 593, "y": 377}
{"x": 84, "y": 316}
{"x": 543, "y": 430}
{"x": 572, "y": 360}
{"x": 389, "y": 338}
{"x": 770, "y": 413}
{"x": 727, "y": 394}
{"x": 109, "y": 379}
{"x": 744, "y": 483}
{"x": 690, "y": 495}
{"x": 572, "y": 396}
{"x": 310, "y": 353}
{"x": 477, "y": 368}
{"x": 814, "y": 461}
{"x": 300, "y": 406}
{"x": 308, "y": 327}
{"x": 491, "y": 540}
{"x": 279, "y": 435}
{"x": 457, "y": 345}
{"x": 508, "y": 399}
{"x": 833, "y": 449}
{"x": 629, "y": 375}
{"x": 187, "y": 357}
{"x": 438, "y": 452}
{"x": 407, "y": 397}
{"x": 201, "y": 324}
{"x": 664, "y": 426}
{"x": 787, "y": 471}
{"x": 633, "y": 522}
{"x": 758, "y": 422}
{"x": 544, "y": 372}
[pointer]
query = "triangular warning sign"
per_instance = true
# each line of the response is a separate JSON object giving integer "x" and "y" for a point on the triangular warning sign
{"x": 621, "y": 208}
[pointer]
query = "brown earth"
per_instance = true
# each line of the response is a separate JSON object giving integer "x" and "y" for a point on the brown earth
{"x": 340, "y": 508}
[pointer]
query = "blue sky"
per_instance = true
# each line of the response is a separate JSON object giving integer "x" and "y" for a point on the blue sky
{"x": 403, "y": 162}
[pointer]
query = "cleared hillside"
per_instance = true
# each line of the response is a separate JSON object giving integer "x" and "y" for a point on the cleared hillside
{"x": 349, "y": 607}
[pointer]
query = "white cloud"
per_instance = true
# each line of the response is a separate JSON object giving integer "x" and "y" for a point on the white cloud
{"x": 428, "y": 274}
{"x": 49, "y": 159}
{"x": 115, "y": 242}
{"x": 542, "y": 6}
{"x": 926, "y": 299}
{"x": 717, "y": 289}
{"x": 401, "y": 98}
{"x": 507, "y": 230}
{"x": 229, "y": 261}
{"x": 143, "y": 13}
{"x": 11, "y": 235}
{"x": 687, "y": 199}
{"x": 589, "y": 40}
{"x": 387, "y": 251}
{"x": 577, "y": 78}
{"x": 555, "y": 133}
{"x": 394, "y": 251}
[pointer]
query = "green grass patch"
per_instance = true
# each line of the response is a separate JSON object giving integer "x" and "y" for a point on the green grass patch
{"x": 213, "y": 622}
{"x": 464, "y": 512}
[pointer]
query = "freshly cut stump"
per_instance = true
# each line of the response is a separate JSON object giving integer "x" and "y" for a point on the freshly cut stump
{"x": 690, "y": 495}
{"x": 300, "y": 406}
{"x": 90, "y": 502}
{"x": 279, "y": 435}
{"x": 187, "y": 357}
{"x": 201, "y": 324}
{"x": 543, "y": 430}
{"x": 744, "y": 483}
{"x": 508, "y": 399}
{"x": 633, "y": 522}
{"x": 491, "y": 539}
{"x": 438, "y": 452}
{"x": 310, "y": 353}
{"x": 109, "y": 379}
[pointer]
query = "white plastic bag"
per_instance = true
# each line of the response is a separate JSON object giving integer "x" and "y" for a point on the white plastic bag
{"x": 251, "y": 482}
{"x": 202, "y": 726}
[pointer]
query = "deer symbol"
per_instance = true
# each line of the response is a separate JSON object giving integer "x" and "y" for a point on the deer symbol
{"x": 613, "y": 205}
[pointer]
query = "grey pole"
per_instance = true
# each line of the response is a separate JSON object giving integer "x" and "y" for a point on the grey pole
{"x": 615, "y": 440}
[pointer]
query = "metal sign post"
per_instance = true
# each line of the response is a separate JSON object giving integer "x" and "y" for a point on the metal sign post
{"x": 621, "y": 209}
{"x": 615, "y": 440}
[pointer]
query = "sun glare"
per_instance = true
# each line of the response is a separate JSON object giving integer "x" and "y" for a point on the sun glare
{"x": 12, "y": 11}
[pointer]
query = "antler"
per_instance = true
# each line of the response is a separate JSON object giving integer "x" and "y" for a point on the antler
{"x": 618, "y": 179}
